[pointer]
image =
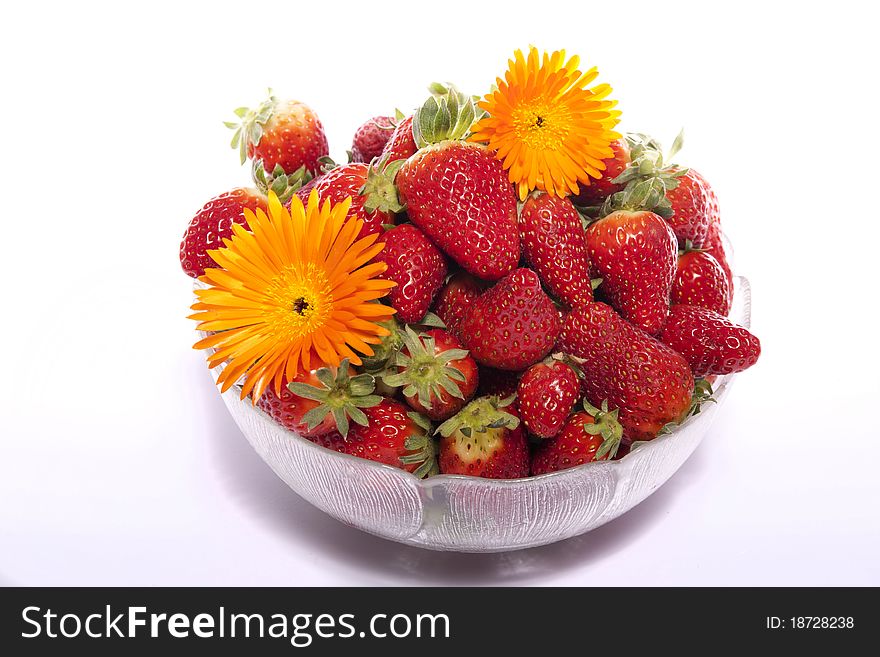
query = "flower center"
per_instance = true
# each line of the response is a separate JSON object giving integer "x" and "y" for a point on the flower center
{"x": 301, "y": 299}
{"x": 542, "y": 125}
{"x": 300, "y": 305}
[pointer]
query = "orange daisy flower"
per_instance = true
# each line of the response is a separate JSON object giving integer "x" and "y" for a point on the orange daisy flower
{"x": 297, "y": 291}
{"x": 550, "y": 129}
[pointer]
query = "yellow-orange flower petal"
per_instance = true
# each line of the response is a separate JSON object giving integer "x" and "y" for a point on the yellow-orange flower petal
{"x": 548, "y": 128}
{"x": 296, "y": 291}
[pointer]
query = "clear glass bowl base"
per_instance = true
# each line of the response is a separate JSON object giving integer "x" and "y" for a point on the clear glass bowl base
{"x": 469, "y": 514}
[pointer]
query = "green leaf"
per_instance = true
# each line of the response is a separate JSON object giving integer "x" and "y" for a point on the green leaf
{"x": 676, "y": 146}
{"x": 394, "y": 380}
{"x": 361, "y": 385}
{"x": 315, "y": 416}
{"x": 341, "y": 419}
{"x": 326, "y": 377}
{"x": 433, "y": 321}
{"x": 307, "y": 391}
{"x": 451, "y": 387}
{"x": 368, "y": 402}
{"x": 455, "y": 374}
{"x": 358, "y": 416}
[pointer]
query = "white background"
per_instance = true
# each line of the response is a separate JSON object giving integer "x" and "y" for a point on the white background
{"x": 119, "y": 464}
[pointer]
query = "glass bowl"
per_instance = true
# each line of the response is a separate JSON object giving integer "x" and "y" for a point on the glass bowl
{"x": 470, "y": 514}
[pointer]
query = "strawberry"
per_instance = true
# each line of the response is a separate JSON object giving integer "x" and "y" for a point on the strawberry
{"x": 400, "y": 145}
{"x": 590, "y": 435}
{"x": 418, "y": 268}
{"x": 394, "y": 436}
{"x": 331, "y": 440}
{"x": 370, "y": 139}
{"x": 683, "y": 197}
{"x": 700, "y": 281}
{"x": 598, "y": 190}
{"x": 321, "y": 400}
{"x": 360, "y": 182}
{"x": 651, "y": 384}
{"x": 460, "y": 291}
{"x": 635, "y": 255}
{"x": 714, "y": 246}
{"x": 457, "y": 192}
{"x": 436, "y": 374}
{"x": 513, "y": 324}
{"x": 546, "y": 394}
{"x": 692, "y": 208}
{"x": 484, "y": 439}
{"x": 287, "y": 133}
{"x": 213, "y": 223}
{"x": 554, "y": 245}
{"x": 710, "y": 342}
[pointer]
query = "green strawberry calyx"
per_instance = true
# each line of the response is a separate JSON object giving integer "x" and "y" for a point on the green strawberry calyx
{"x": 283, "y": 184}
{"x": 605, "y": 424}
{"x": 647, "y": 177}
{"x": 424, "y": 374}
{"x": 420, "y": 448}
{"x": 447, "y": 114}
{"x": 249, "y": 127}
{"x": 343, "y": 396}
{"x": 379, "y": 189}
{"x": 480, "y": 417}
{"x": 384, "y": 353}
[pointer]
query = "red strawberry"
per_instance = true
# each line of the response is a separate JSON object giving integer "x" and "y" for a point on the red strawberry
{"x": 321, "y": 400}
{"x": 418, "y": 268}
{"x": 355, "y": 180}
{"x": 457, "y": 192}
{"x": 598, "y": 190}
{"x": 714, "y": 246}
{"x": 332, "y": 440}
{"x": 547, "y": 392}
{"x": 554, "y": 245}
{"x": 400, "y": 145}
{"x": 436, "y": 374}
{"x": 692, "y": 208}
{"x": 497, "y": 383}
{"x": 513, "y": 324}
{"x": 701, "y": 281}
{"x": 453, "y": 300}
{"x": 650, "y": 383}
{"x": 371, "y": 137}
{"x": 280, "y": 132}
{"x": 589, "y": 435}
{"x": 460, "y": 196}
{"x": 681, "y": 196}
{"x": 484, "y": 439}
{"x": 635, "y": 254}
{"x": 394, "y": 436}
{"x": 214, "y": 222}
{"x": 710, "y": 342}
